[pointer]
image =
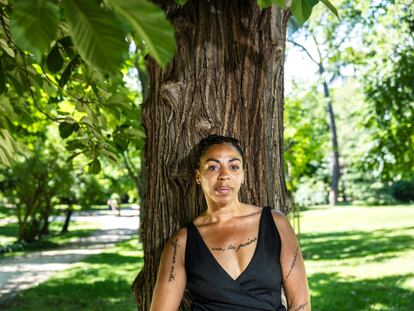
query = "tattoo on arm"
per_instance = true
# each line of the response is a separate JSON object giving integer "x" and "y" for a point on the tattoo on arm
{"x": 292, "y": 264}
{"x": 301, "y": 307}
{"x": 232, "y": 247}
{"x": 172, "y": 273}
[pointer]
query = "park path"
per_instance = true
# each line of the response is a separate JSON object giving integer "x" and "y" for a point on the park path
{"x": 33, "y": 268}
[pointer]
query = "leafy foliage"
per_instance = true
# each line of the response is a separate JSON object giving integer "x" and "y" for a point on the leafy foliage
{"x": 149, "y": 24}
{"x": 392, "y": 117}
{"x": 34, "y": 186}
{"x": 374, "y": 102}
{"x": 97, "y": 35}
{"x": 300, "y": 9}
{"x": 36, "y": 30}
{"x": 305, "y": 137}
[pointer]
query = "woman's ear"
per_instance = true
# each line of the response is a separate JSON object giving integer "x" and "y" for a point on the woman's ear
{"x": 197, "y": 176}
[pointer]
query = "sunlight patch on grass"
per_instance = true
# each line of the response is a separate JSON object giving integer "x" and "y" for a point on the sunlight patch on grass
{"x": 359, "y": 258}
{"x": 9, "y": 245}
{"x": 100, "y": 282}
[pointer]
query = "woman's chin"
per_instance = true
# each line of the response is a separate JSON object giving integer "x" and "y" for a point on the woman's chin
{"x": 223, "y": 200}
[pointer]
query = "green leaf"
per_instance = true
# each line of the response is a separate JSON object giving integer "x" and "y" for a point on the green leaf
{"x": 263, "y": 4}
{"x": 68, "y": 71}
{"x": 330, "y": 7}
{"x": 54, "y": 60}
{"x": 8, "y": 149}
{"x": 181, "y": 2}
{"x": 34, "y": 25}
{"x": 96, "y": 34}
{"x": 280, "y": 3}
{"x": 94, "y": 167}
{"x": 6, "y": 108}
{"x": 66, "y": 129}
{"x": 6, "y": 48}
{"x": 2, "y": 82}
{"x": 66, "y": 43}
{"x": 150, "y": 24}
{"x": 75, "y": 144}
{"x": 302, "y": 9}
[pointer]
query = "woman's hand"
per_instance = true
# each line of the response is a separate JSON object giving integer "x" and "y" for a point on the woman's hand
{"x": 295, "y": 283}
{"x": 171, "y": 278}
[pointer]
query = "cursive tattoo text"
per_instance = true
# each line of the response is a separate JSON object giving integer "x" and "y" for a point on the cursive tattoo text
{"x": 292, "y": 264}
{"x": 232, "y": 247}
{"x": 172, "y": 273}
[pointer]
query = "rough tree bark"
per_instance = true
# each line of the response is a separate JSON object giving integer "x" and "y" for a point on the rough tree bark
{"x": 226, "y": 78}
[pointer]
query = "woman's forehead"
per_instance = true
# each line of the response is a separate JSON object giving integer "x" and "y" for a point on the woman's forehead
{"x": 221, "y": 151}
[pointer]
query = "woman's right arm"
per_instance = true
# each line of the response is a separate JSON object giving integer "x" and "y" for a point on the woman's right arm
{"x": 171, "y": 278}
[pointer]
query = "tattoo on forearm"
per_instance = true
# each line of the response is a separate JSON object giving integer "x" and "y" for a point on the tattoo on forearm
{"x": 292, "y": 264}
{"x": 172, "y": 273}
{"x": 231, "y": 247}
{"x": 301, "y": 307}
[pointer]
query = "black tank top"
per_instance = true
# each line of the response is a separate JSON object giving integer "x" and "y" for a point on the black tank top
{"x": 258, "y": 288}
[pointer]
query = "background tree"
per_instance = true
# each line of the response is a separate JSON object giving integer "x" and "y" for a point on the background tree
{"x": 326, "y": 79}
{"x": 365, "y": 51}
{"x": 306, "y": 141}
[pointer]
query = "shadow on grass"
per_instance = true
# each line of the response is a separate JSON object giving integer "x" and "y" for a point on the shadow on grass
{"x": 9, "y": 230}
{"x": 331, "y": 292}
{"x": 113, "y": 259}
{"x": 6, "y": 212}
{"x": 101, "y": 282}
{"x": 355, "y": 244}
{"x": 112, "y": 294}
{"x": 53, "y": 240}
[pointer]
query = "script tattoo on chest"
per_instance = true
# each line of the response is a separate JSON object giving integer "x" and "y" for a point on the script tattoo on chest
{"x": 172, "y": 272}
{"x": 232, "y": 247}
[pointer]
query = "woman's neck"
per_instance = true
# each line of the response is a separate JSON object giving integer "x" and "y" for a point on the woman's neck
{"x": 223, "y": 213}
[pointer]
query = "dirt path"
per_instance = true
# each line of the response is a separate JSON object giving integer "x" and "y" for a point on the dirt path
{"x": 19, "y": 273}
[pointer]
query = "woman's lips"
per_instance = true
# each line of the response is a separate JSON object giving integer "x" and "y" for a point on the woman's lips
{"x": 223, "y": 189}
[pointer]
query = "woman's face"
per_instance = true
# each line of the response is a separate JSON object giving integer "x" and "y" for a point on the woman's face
{"x": 220, "y": 173}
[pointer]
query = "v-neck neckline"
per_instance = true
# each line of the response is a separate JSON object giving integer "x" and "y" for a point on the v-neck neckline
{"x": 251, "y": 260}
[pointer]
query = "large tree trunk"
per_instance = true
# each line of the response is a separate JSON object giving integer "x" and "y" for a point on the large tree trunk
{"x": 226, "y": 78}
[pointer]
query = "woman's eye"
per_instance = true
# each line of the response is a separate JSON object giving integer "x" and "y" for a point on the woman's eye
{"x": 212, "y": 168}
{"x": 235, "y": 167}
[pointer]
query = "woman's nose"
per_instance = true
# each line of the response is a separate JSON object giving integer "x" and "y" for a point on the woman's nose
{"x": 224, "y": 174}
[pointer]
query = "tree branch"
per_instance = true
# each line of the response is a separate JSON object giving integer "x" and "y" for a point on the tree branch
{"x": 305, "y": 50}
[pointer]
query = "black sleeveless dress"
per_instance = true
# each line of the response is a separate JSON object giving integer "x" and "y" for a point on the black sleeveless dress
{"x": 258, "y": 288}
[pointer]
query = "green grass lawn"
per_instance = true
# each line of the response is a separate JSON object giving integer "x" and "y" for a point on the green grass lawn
{"x": 100, "y": 282}
{"x": 6, "y": 212}
{"x": 360, "y": 258}
{"x": 357, "y": 258}
{"x": 10, "y": 247}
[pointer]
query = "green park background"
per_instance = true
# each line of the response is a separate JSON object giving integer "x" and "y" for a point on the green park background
{"x": 71, "y": 139}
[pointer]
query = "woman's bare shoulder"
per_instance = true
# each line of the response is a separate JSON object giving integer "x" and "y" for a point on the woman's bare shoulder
{"x": 179, "y": 236}
{"x": 282, "y": 222}
{"x": 181, "y": 233}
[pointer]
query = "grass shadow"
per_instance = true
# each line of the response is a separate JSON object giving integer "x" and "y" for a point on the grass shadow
{"x": 100, "y": 282}
{"x": 382, "y": 243}
{"x": 331, "y": 292}
{"x": 53, "y": 240}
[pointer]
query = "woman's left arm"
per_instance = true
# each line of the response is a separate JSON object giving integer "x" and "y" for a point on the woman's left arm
{"x": 295, "y": 283}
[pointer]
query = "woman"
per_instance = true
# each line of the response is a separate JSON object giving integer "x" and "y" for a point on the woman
{"x": 234, "y": 256}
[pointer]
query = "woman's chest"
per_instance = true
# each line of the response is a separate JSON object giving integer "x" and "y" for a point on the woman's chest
{"x": 232, "y": 248}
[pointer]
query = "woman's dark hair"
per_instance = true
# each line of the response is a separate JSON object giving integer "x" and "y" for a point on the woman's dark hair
{"x": 211, "y": 140}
